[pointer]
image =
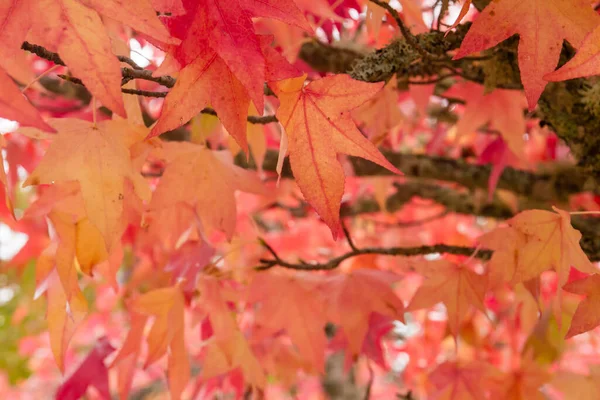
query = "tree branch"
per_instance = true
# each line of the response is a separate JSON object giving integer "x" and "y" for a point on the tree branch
{"x": 563, "y": 105}
{"x": 386, "y": 251}
{"x": 464, "y": 203}
{"x": 542, "y": 187}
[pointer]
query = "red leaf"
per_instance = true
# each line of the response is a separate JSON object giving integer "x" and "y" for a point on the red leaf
{"x": 542, "y": 26}
{"x": 91, "y": 372}
{"x": 318, "y": 126}
{"x": 14, "y": 105}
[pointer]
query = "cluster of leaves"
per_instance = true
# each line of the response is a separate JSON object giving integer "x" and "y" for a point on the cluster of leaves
{"x": 160, "y": 257}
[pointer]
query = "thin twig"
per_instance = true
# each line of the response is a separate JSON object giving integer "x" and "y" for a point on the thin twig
{"x": 386, "y": 251}
{"x": 144, "y": 93}
{"x": 408, "y": 36}
{"x": 348, "y": 237}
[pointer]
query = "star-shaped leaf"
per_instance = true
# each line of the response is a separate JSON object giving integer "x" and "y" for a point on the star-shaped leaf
{"x": 542, "y": 26}
{"x": 458, "y": 287}
{"x": 204, "y": 180}
{"x": 318, "y": 125}
{"x": 97, "y": 156}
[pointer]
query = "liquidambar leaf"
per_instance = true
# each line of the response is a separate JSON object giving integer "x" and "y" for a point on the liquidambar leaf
{"x": 63, "y": 319}
{"x": 282, "y": 296}
{"x": 585, "y": 63}
{"x": 167, "y": 306}
{"x": 456, "y": 286}
{"x": 97, "y": 156}
{"x": 205, "y": 180}
{"x": 542, "y": 26}
{"x": 501, "y": 108}
{"x": 318, "y": 126}
{"x": 14, "y": 106}
{"x": 552, "y": 243}
{"x": 355, "y": 296}
{"x": 462, "y": 381}
{"x": 587, "y": 315}
{"x": 91, "y": 372}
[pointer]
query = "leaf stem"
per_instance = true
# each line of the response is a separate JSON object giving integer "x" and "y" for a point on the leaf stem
{"x": 40, "y": 76}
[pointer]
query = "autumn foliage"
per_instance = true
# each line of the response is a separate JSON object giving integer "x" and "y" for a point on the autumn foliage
{"x": 300, "y": 199}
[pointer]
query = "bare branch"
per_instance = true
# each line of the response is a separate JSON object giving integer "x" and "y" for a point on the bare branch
{"x": 385, "y": 251}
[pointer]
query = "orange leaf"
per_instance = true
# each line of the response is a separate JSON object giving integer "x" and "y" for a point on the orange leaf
{"x": 506, "y": 265}
{"x": 206, "y": 81}
{"x": 578, "y": 387}
{"x": 75, "y": 31}
{"x": 542, "y": 26}
{"x": 228, "y": 348}
{"x": 354, "y": 296}
{"x": 282, "y": 296}
{"x": 65, "y": 257}
{"x": 97, "y": 156}
{"x": 77, "y": 34}
{"x": 206, "y": 180}
{"x": 381, "y": 113}
{"x": 587, "y": 315}
{"x": 167, "y": 306}
{"x": 456, "y": 286}
{"x": 585, "y": 63}
{"x": 462, "y": 381}
{"x": 138, "y": 14}
{"x": 318, "y": 126}
{"x": 552, "y": 243}
{"x": 14, "y": 105}
{"x": 63, "y": 319}
{"x": 502, "y": 109}
{"x": 209, "y": 80}
{"x": 523, "y": 382}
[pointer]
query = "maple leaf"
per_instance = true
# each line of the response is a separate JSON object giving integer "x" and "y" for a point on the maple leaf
{"x": 91, "y": 372}
{"x": 381, "y": 113}
{"x": 318, "y": 127}
{"x": 546, "y": 342}
{"x": 63, "y": 204}
{"x": 456, "y": 286}
{"x": 353, "y": 297}
{"x": 97, "y": 156}
{"x": 576, "y": 386}
{"x": 506, "y": 264}
{"x": 14, "y": 106}
{"x": 63, "y": 319}
{"x": 585, "y": 62}
{"x": 74, "y": 30}
{"x": 228, "y": 348}
{"x": 138, "y": 14}
{"x": 126, "y": 358}
{"x": 552, "y": 243}
{"x": 187, "y": 262}
{"x": 205, "y": 180}
{"x": 500, "y": 156}
{"x": 523, "y": 382}
{"x": 542, "y": 26}
{"x": 283, "y": 295}
{"x": 227, "y": 28}
{"x": 462, "y": 381}
{"x": 21, "y": 152}
{"x": 207, "y": 80}
{"x": 587, "y": 315}
{"x": 502, "y": 109}
{"x": 167, "y": 306}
